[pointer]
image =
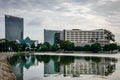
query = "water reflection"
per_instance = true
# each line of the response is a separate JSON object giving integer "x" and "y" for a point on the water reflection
{"x": 66, "y": 65}
{"x": 90, "y": 66}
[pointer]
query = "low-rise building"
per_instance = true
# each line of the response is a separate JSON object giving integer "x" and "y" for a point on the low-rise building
{"x": 80, "y": 37}
{"x": 77, "y": 36}
{"x": 29, "y": 43}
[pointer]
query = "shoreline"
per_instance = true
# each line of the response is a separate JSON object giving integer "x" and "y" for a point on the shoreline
{"x": 6, "y": 72}
{"x": 117, "y": 55}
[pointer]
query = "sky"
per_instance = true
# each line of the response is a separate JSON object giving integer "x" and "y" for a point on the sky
{"x": 62, "y": 14}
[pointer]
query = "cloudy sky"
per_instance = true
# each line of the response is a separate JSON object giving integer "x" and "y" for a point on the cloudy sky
{"x": 62, "y": 14}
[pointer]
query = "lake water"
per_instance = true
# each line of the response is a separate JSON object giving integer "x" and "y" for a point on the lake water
{"x": 58, "y": 67}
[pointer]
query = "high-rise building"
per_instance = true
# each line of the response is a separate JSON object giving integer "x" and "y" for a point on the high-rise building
{"x": 13, "y": 28}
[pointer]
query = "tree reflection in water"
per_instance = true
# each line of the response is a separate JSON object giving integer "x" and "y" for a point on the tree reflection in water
{"x": 66, "y": 60}
{"x": 67, "y": 65}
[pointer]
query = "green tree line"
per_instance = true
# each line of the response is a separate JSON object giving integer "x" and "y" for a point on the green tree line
{"x": 64, "y": 46}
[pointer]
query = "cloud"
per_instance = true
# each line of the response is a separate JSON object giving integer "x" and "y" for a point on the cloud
{"x": 28, "y": 4}
{"x": 62, "y": 14}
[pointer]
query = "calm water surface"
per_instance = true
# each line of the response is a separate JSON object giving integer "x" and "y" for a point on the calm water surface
{"x": 44, "y": 67}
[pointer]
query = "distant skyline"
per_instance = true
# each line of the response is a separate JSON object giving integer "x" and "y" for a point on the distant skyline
{"x": 62, "y": 14}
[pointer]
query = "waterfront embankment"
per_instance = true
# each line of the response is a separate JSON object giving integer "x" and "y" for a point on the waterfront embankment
{"x": 5, "y": 70}
{"x": 117, "y": 55}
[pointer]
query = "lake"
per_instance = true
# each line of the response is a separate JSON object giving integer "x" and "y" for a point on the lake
{"x": 59, "y": 67}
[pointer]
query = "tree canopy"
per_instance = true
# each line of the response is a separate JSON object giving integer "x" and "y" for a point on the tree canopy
{"x": 66, "y": 45}
{"x": 95, "y": 47}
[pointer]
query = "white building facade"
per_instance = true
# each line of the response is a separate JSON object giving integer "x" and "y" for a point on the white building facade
{"x": 80, "y": 37}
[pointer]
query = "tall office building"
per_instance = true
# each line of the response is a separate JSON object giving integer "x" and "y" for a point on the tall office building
{"x": 53, "y": 36}
{"x": 13, "y": 28}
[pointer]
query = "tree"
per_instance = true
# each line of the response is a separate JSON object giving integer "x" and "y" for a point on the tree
{"x": 6, "y": 45}
{"x": 66, "y": 45}
{"x": 14, "y": 45}
{"x": 3, "y": 45}
{"x": 54, "y": 47}
{"x": 106, "y": 48}
{"x": 118, "y": 47}
{"x": 86, "y": 48}
{"x": 43, "y": 48}
{"x": 38, "y": 46}
{"x": 110, "y": 47}
{"x": 23, "y": 46}
{"x": 33, "y": 46}
{"x": 113, "y": 46}
{"x": 47, "y": 45}
{"x": 78, "y": 48}
{"x": 95, "y": 47}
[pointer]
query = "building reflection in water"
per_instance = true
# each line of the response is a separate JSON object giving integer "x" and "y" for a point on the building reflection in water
{"x": 81, "y": 66}
{"x": 93, "y": 66}
{"x": 63, "y": 65}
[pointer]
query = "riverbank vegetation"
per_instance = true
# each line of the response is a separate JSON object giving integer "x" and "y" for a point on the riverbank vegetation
{"x": 62, "y": 47}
